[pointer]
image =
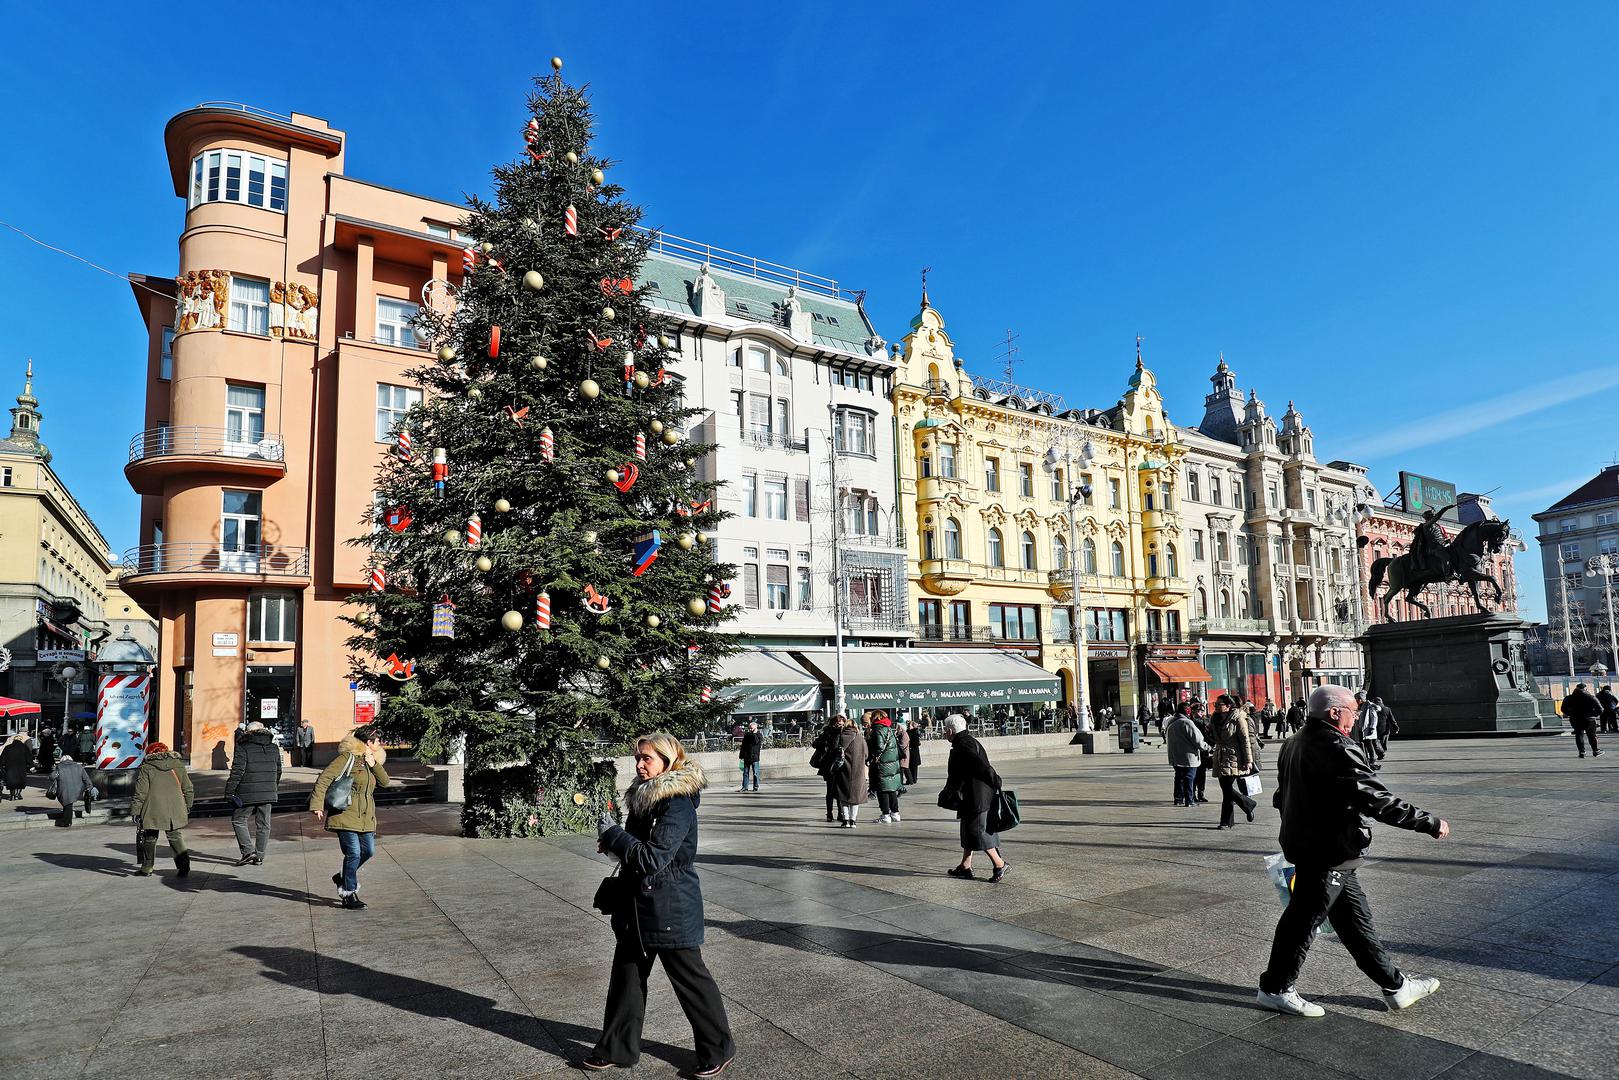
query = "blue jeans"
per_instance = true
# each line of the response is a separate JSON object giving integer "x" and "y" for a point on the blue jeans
{"x": 750, "y": 768}
{"x": 1186, "y": 784}
{"x": 357, "y": 848}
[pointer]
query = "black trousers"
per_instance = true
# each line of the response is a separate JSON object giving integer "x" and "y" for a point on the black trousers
{"x": 1230, "y": 798}
{"x": 831, "y": 799}
{"x": 699, "y": 998}
{"x": 1583, "y": 730}
{"x": 888, "y": 802}
{"x": 1320, "y": 893}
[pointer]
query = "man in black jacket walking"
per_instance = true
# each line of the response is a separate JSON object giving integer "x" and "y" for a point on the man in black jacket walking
{"x": 1610, "y": 710}
{"x": 1326, "y": 791}
{"x": 753, "y": 742}
{"x": 255, "y": 776}
{"x": 1581, "y": 709}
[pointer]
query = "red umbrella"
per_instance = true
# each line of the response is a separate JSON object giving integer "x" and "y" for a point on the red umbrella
{"x": 13, "y": 707}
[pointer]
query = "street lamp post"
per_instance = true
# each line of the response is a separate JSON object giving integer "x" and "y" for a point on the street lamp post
{"x": 67, "y": 673}
{"x": 1076, "y": 625}
{"x": 1605, "y": 566}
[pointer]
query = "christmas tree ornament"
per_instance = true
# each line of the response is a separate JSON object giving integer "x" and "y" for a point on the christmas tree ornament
{"x": 452, "y": 537}
{"x": 602, "y": 343}
{"x": 686, "y": 541}
{"x": 670, "y": 438}
{"x": 612, "y": 476}
{"x": 362, "y": 616}
{"x": 475, "y": 394}
{"x": 603, "y": 663}
{"x": 447, "y": 353}
{"x": 484, "y": 564}
{"x": 441, "y": 469}
{"x": 548, "y": 445}
{"x": 397, "y": 519}
{"x": 502, "y": 506}
{"x": 531, "y": 131}
{"x": 596, "y": 177}
{"x": 646, "y": 552}
{"x": 556, "y": 63}
{"x": 539, "y": 363}
{"x": 570, "y": 217}
{"x": 660, "y": 379}
{"x": 494, "y": 342}
{"x": 379, "y": 579}
{"x": 589, "y": 389}
{"x": 533, "y": 281}
{"x": 542, "y": 611}
{"x": 512, "y": 621}
{"x": 589, "y": 536}
{"x": 718, "y": 593}
{"x": 696, "y": 605}
{"x": 571, "y": 158}
{"x": 642, "y": 381}
{"x": 529, "y": 223}
{"x": 444, "y": 617}
{"x": 608, "y": 313}
{"x": 486, "y": 247}
{"x": 690, "y": 462}
{"x": 629, "y": 370}
{"x": 664, "y": 342}
{"x": 612, "y": 285}
{"x": 705, "y": 695}
{"x": 400, "y": 670}
{"x": 516, "y": 416}
{"x": 653, "y": 621}
{"x": 629, "y": 472}
{"x": 657, "y": 427}
{"x": 611, "y": 234}
{"x": 469, "y": 260}
{"x": 474, "y": 531}
{"x": 402, "y": 449}
{"x": 640, "y": 446}
{"x": 595, "y": 601}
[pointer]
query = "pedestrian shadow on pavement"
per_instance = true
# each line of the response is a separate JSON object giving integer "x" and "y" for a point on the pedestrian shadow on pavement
{"x": 557, "y": 1038}
{"x": 96, "y": 864}
{"x": 196, "y": 856}
{"x": 778, "y": 863}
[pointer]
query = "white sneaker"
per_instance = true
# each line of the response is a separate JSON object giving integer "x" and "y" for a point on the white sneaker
{"x": 893, "y": 817}
{"x": 1288, "y": 1001}
{"x": 1413, "y": 990}
{"x": 883, "y": 820}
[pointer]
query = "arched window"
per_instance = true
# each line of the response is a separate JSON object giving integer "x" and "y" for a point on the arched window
{"x": 1152, "y": 562}
{"x": 1282, "y": 607}
{"x": 929, "y": 547}
{"x": 1173, "y": 560}
{"x": 1246, "y": 609}
{"x": 1225, "y": 604}
{"x": 1201, "y": 604}
{"x": 952, "y": 538}
{"x": 1118, "y": 559}
{"x": 1087, "y": 554}
{"x": 997, "y": 557}
{"x": 1059, "y": 552}
{"x": 1030, "y": 562}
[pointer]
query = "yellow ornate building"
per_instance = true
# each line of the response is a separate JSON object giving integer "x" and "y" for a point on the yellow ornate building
{"x": 989, "y": 474}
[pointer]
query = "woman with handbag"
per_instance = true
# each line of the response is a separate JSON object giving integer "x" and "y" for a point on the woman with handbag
{"x": 886, "y": 747}
{"x": 657, "y": 911}
{"x": 345, "y": 798}
{"x": 851, "y": 779}
{"x": 821, "y": 761}
{"x": 970, "y": 786}
{"x": 1233, "y": 758}
{"x": 163, "y": 798}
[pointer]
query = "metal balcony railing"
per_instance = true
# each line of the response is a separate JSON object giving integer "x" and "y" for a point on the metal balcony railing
{"x": 894, "y": 539}
{"x": 1231, "y": 626}
{"x": 1164, "y": 637}
{"x": 939, "y": 388}
{"x": 180, "y": 558}
{"x": 953, "y": 632}
{"x": 206, "y": 442}
{"x": 732, "y": 262}
{"x": 770, "y": 440}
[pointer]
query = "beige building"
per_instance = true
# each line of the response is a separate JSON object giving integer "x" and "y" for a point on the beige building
{"x": 274, "y": 371}
{"x": 57, "y": 598}
{"x": 998, "y": 498}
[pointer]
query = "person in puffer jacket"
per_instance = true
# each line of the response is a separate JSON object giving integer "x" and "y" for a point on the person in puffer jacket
{"x": 359, "y": 758}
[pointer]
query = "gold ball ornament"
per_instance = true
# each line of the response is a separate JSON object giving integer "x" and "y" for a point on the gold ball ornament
{"x": 590, "y": 536}
{"x": 578, "y": 798}
{"x": 446, "y": 353}
{"x": 502, "y": 506}
{"x": 556, "y": 63}
{"x": 571, "y": 158}
{"x": 475, "y": 394}
{"x": 589, "y": 389}
{"x": 486, "y": 247}
{"x": 653, "y": 621}
{"x": 362, "y": 617}
{"x": 539, "y": 363}
{"x": 612, "y": 476}
{"x": 596, "y": 177}
{"x": 696, "y": 605}
{"x": 485, "y": 563}
{"x": 452, "y": 537}
{"x": 686, "y": 541}
{"x": 608, "y": 313}
{"x": 691, "y": 463}
{"x": 533, "y": 281}
{"x": 642, "y": 380}
{"x": 657, "y": 427}
{"x": 512, "y": 621}
{"x": 603, "y": 663}
{"x": 528, "y": 223}
{"x": 670, "y": 438}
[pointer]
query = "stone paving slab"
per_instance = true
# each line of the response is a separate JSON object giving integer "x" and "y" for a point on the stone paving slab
{"x": 1125, "y": 943}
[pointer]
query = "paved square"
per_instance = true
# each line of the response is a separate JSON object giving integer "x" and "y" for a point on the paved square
{"x": 1126, "y": 942}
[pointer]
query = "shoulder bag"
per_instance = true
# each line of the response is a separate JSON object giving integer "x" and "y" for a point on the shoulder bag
{"x": 341, "y": 789}
{"x": 1004, "y": 811}
{"x": 609, "y": 898}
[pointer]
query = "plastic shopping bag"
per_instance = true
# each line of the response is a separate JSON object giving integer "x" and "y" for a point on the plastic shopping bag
{"x": 1252, "y": 787}
{"x": 1281, "y": 872}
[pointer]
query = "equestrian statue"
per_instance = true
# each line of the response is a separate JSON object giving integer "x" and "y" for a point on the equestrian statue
{"x": 1433, "y": 561}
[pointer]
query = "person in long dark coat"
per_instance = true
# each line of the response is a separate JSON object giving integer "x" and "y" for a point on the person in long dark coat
{"x": 974, "y": 781}
{"x": 14, "y": 765}
{"x": 914, "y": 757}
{"x": 825, "y": 747}
{"x": 71, "y": 782}
{"x": 850, "y": 778}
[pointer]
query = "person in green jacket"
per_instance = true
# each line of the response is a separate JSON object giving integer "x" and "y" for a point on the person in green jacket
{"x": 359, "y": 761}
{"x": 163, "y": 798}
{"x": 887, "y": 745}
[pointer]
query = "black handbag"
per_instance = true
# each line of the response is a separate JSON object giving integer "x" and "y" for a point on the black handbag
{"x": 1004, "y": 811}
{"x": 610, "y": 894}
{"x": 950, "y": 799}
{"x": 341, "y": 790}
{"x": 818, "y": 759}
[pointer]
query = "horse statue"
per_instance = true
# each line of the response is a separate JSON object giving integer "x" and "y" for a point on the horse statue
{"x": 1463, "y": 560}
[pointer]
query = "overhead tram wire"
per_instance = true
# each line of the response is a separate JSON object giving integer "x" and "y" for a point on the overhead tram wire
{"x": 80, "y": 258}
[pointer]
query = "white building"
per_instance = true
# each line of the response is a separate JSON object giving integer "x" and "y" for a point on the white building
{"x": 1276, "y": 598}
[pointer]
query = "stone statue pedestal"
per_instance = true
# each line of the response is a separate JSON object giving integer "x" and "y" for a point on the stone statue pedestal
{"x": 1462, "y": 675}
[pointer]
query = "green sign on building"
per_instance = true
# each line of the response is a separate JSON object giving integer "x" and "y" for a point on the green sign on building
{"x": 1425, "y": 493}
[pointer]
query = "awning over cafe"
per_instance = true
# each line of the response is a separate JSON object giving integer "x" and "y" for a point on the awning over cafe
{"x": 926, "y": 678}
{"x": 769, "y": 682}
{"x": 1175, "y": 671}
{"x": 13, "y": 707}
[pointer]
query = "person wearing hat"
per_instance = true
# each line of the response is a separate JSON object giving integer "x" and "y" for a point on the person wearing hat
{"x": 14, "y": 765}
{"x": 255, "y": 776}
{"x": 1581, "y": 709}
{"x": 163, "y": 798}
{"x": 70, "y": 783}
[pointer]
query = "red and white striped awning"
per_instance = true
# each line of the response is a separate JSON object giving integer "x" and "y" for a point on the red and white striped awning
{"x": 14, "y": 707}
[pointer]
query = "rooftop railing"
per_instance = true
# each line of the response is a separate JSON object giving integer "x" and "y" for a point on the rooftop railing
{"x": 205, "y": 441}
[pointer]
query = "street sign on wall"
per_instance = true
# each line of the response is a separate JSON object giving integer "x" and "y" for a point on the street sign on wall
{"x": 1425, "y": 493}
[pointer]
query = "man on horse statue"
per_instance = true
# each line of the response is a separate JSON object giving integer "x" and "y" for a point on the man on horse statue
{"x": 1433, "y": 560}
{"x": 1429, "y": 549}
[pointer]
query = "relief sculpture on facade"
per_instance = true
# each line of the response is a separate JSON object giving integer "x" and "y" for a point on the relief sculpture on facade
{"x": 202, "y": 296}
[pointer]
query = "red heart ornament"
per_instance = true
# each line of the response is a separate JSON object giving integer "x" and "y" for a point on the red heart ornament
{"x": 628, "y": 474}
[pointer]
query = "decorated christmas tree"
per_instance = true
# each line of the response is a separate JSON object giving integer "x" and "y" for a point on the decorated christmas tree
{"x": 540, "y": 584}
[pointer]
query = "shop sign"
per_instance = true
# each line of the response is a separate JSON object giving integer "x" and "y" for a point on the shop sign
{"x": 227, "y": 641}
{"x": 60, "y": 656}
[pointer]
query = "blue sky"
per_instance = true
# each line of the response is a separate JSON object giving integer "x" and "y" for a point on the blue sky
{"x": 1403, "y": 219}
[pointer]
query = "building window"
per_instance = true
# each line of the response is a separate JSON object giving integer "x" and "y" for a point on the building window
{"x": 735, "y": 359}
{"x": 1191, "y": 486}
{"x": 1087, "y": 556}
{"x": 1568, "y": 524}
{"x": 801, "y": 499}
{"x": 952, "y": 538}
{"x": 1026, "y": 479}
{"x": 750, "y": 585}
{"x": 1242, "y": 550}
{"x": 996, "y": 556}
{"x": 1014, "y": 622}
{"x": 852, "y": 432}
{"x": 1309, "y": 499}
{"x": 866, "y": 594}
{"x": 1200, "y": 603}
{"x": 434, "y": 228}
{"x": 750, "y": 495}
{"x": 1272, "y": 494}
{"x": 1058, "y": 493}
{"x": 758, "y": 359}
{"x": 1569, "y": 551}
{"x": 776, "y": 498}
{"x": 947, "y": 460}
{"x": 1222, "y": 547}
{"x": 239, "y": 177}
{"x": 1113, "y": 500}
{"x": 394, "y": 318}
{"x": 244, "y": 415}
{"x": 1172, "y": 561}
{"x": 1605, "y": 517}
{"x": 759, "y": 415}
{"x": 272, "y": 617}
{"x": 1059, "y": 552}
{"x": 1236, "y": 493}
{"x": 239, "y": 521}
{"x": 1225, "y": 604}
{"x": 929, "y": 615}
{"x": 783, "y": 417}
{"x": 165, "y": 358}
{"x": 806, "y": 590}
{"x": 1029, "y": 557}
{"x": 1214, "y": 489}
{"x": 1117, "y": 555}
{"x": 783, "y": 368}
{"x": 1609, "y": 546}
{"x": 392, "y": 404}
{"x": 1278, "y": 551}
{"x": 860, "y": 514}
{"x": 1197, "y": 545}
{"x": 249, "y": 306}
{"x": 992, "y": 474}
{"x": 776, "y": 589}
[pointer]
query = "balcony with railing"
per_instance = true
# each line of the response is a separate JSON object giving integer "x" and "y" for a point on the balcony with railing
{"x": 1313, "y": 627}
{"x": 938, "y": 388}
{"x": 936, "y": 488}
{"x": 152, "y": 567}
{"x": 894, "y": 538}
{"x": 955, "y": 632}
{"x": 1163, "y": 637}
{"x": 946, "y": 577}
{"x": 159, "y": 453}
{"x": 1239, "y": 627}
{"x": 771, "y": 440}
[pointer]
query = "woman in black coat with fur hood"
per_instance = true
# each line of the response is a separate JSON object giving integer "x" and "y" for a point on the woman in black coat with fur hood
{"x": 658, "y": 912}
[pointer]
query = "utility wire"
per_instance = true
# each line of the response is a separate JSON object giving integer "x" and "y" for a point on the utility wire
{"x": 95, "y": 266}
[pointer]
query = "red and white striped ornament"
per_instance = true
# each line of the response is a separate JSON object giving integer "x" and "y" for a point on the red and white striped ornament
{"x": 705, "y": 695}
{"x": 629, "y": 369}
{"x": 469, "y": 260}
{"x": 531, "y": 133}
{"x": 542, "y": 611}
{"x": 548, "y": 445}
{"x": 474, "y": 530}
{"x": 494, "y": 342}
{"x": 379, "y": 579}
{"x": 404, "y": 449}
{"x": 717, "y": 593}
{"x": 570, "y": 221}
{"x": 640, "y": 446}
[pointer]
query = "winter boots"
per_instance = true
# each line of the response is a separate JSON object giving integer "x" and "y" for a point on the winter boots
{"x": 182, "y": 863}
{"x": 145, "y": 854}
